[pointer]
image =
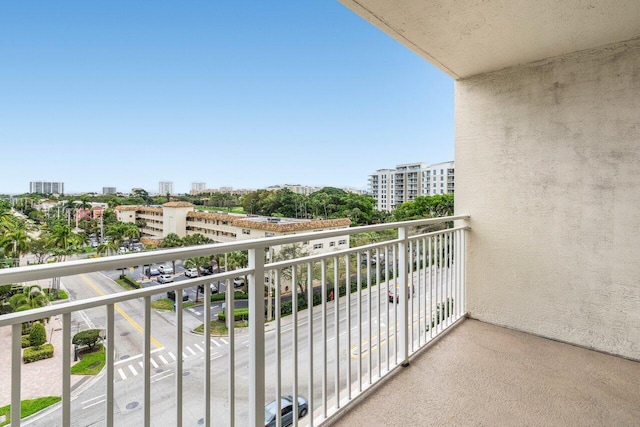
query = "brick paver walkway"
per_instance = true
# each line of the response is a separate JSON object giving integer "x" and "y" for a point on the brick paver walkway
{"x": 39, "y": 379}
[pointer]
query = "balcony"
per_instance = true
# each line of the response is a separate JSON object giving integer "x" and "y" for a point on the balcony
{"x": 404, "y": 292}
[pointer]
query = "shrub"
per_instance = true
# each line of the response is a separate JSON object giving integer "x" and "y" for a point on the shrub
{"x": 130, "y": 281}
{"x": 222, "y": 296}
{"x": 238, "y": 314}
{"x": 38, "y": 335}
{"x": 25, "y": 341}
{"x": 32, "y": 354}
{"x": 6, "y": 308}
{"x": 87, "y": 338}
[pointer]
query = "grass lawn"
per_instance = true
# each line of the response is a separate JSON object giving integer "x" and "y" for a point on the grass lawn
{"x": 124, "y": 284}
{"x": 91, "y": 363}
{"x": 29, "y": 407}
{"x": 220, "y": 328}
{"x": 167, "y": 304}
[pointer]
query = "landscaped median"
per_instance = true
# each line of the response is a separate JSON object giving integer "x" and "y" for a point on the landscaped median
{"x": 28, "y": 407}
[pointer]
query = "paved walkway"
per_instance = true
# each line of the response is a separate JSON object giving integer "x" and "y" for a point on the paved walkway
{"x": 39, "y": 379}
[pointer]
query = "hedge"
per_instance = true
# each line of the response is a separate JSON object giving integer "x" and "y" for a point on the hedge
{"x": 238, "y": 314}
{"x": 221, "y": 297}
{"x": 32, "y": 354}
{"x": 25, "y": 341}
{"x": 130, "y": 281}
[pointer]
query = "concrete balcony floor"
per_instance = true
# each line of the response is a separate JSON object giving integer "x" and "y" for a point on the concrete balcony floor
{"x": 485, "y": 375}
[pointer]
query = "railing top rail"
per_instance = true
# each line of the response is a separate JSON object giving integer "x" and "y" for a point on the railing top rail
{"x": 45, "y": 271}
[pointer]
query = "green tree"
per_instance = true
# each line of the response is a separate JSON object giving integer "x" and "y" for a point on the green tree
{"x": 88, "y": 337}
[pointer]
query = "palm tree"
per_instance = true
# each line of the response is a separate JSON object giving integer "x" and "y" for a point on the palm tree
{"x": 31, "y": 297}
{"x": 15, "y": 241}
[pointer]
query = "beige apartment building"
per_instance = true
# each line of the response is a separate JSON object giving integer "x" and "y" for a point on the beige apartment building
{"x": 182, "y": 219}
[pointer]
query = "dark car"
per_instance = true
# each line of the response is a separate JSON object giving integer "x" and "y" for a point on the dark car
{"x": 286, "y": 409}
{"x": 172, "y": 295}
{"x": 394, "y": 293}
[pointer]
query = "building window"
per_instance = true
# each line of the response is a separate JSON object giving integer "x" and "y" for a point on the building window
{"x": 268, "y": 234}
{"x": 342, "y": 242}
{"x": 332, "y": 244}
{"x": 246, "y": 231}
{"x": 317, "y": 246}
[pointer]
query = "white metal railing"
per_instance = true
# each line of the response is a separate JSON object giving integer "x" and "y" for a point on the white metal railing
{"x": 377, "y": 305}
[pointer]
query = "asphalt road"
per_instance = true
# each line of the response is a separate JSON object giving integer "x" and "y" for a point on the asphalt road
{"x": 334, "y": 353}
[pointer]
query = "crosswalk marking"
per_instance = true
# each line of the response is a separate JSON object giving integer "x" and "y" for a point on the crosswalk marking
{"x": 162, "y": 359}
{"x": 133, "y": 370}
{"x": 122, "y": 375}
{"x": 172, "y": 356}
{"x": 141, "y": 365}
{"x": 216, "y": 343}
{"x": 191, "y": 351}
{"x": 198, "y": 347}
{"x": 184, "y": 356}
{"x": 153, "y": 362}
{"x": 224, "y": 341}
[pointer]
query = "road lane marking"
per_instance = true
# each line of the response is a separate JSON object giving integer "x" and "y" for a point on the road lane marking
{"x": 216, "y": 343}
{"x": 122, "y": 375}
{"x": 215, "y": 357}
{"x": 153, "y": 362}
{"x": 172, "y": 356}
{"x": 141, "y": 365}
{"x": 193, "y": 353}
{"x": 133, "y": 370}
{"x": 94, "y": 404}
{"x": 199, "y": 348}
{"x": 162, "y": 359}
{"x": 184, "y": 356}
{"x": 169, "y": 374}
{"x": 93, "y": 398}
{"x": 119, "y": 310}
{"x": 224, "y": 341}
{"x": 129, "y": 359}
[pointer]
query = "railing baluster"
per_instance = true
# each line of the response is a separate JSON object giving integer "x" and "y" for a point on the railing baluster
{"x": 378, "y": 320}
{"x": 347, "y": 259}
{"x": 323, "y": 278}
{"x": 110, "y": 350}
{"x": 402, "y": 282}
{"x": 231, "y": 327}
{"x": 146, "y": 351}
{"x": 278, "y": 347}
{"x": 16, "y": 365}
{"x": 336, "y": 329}
{"x": 359, "y": 296}
{"x": 387, "y": 262}
{"x": 310, "y": 337}
{"x": 66, "y": 369}
{"x": 410, "y": 296}
{"x": 179, "y": 359}
{"x": 256, "y": 337}
{"x": 294, "y": 333}
{"x": 369, "y": 370}
{"x": 207, "y": 353}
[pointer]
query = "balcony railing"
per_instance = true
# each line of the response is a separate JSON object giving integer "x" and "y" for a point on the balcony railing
{"x": 375, "y": 305}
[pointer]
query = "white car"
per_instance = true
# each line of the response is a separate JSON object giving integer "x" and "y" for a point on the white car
{"x": 165, "y": 278}
{"x": 191, "y": 272}
{"x": 165, "y": 269}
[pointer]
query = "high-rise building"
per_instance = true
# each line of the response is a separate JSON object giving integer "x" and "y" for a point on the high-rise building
{"x": 46, "y": 187}
{"x": 108, "y": 190}
{"x": 392, "y": 187}
{"x": 198, "y": 187}
{"x": 165, "y": 187}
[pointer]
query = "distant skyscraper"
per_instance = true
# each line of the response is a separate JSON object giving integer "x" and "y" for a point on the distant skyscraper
{"x": 165, "y": 187}
{"x": 198, "y": 186}
{"x": 46, "y": 187}
{"x": 108, "y": 190}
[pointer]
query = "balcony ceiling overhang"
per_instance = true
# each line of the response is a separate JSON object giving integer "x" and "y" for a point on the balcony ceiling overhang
{"x": 469, "y": 37}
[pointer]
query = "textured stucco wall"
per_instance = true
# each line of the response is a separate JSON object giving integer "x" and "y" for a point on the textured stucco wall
{"x": 548, "y": 167}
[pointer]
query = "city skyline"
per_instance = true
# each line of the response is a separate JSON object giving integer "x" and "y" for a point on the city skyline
{"x": 127, "y": 95}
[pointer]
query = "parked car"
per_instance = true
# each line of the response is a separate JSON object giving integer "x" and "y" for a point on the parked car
{"x": 172, "y": 295}
{"x": 238, "y": 282}
{"x": 152, "y": 271}
{"x": 206, "y": 270}
{"x": 214, "y": 286}
{"x": 286, "y": 409}
{"x": 165, "y": 269}
{"x": 191, "y": 272}
{"x": 165, "y": 278}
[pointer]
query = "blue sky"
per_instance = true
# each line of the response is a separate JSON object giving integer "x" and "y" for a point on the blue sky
{"x": 243, "y": 94}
